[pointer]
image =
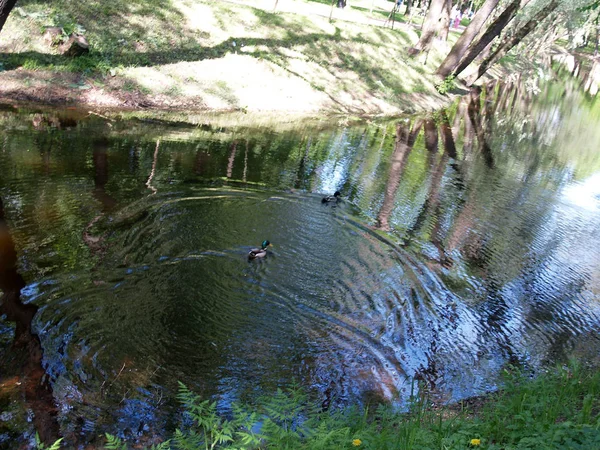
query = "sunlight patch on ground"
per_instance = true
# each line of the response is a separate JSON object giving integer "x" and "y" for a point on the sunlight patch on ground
{"x": 235, "y": 81}
{"x": 201, "y": 19}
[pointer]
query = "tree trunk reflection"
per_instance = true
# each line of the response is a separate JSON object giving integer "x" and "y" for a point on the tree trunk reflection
{"x": 476, "y": 120}
{"x": 27, "y": 347}
{"x": 405, "y": 140}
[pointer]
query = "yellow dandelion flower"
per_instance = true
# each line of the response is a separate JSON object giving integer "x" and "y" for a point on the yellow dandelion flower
{"x": 356, "y": 442}
{"x": 475, "y": 441}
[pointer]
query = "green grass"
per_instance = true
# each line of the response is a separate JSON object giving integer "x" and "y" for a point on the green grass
{"x": 324, "y": 2}
{"x": 558, "y": 409}
{"x": 380, "y": 14}
{"x": 110, "y": 27}
{"x": 134, "y": 45}
{"x": 588, "y": 49}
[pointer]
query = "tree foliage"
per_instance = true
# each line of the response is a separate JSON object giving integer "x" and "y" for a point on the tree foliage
{"x": 519, "y": 25}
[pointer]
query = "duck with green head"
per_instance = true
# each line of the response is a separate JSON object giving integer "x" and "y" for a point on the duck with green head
{"x": 260, "y": 252}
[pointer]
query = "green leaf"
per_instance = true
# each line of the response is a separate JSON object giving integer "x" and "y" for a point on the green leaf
{"x": 114, "y": 443}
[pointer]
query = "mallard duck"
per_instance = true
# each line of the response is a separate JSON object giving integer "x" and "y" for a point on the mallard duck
{"x": 260, "y": 252}
{"x": 336, "y": 197}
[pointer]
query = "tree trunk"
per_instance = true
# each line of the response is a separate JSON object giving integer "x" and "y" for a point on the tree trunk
{"x": 460, "y": 47}
{"x": 409, "y": 4}
{"x": 516, "y": 38}
{"x": 6, "y": 7}
{"x": 431, "y": 26}
{"x": 445, "y": 21}
{"x": 490, "y": 34}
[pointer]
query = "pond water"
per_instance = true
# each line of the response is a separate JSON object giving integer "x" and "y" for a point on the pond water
{"x": 465, "y": 240}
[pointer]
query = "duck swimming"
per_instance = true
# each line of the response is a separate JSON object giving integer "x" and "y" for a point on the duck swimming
{"x": 260, "y": 252}
{"x": 336, "y": 197}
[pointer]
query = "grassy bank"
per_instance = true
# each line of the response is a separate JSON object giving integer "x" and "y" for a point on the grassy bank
{"x": 206, "y": 55}
{"x": 558, "y": 409}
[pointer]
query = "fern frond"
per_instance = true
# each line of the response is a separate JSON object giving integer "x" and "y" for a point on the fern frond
{"x": 39, "y": 445}
{"x": 188, "y": 441}
{"x": 162, "y": 446}
{"x": 56, "y": 445}
{"x": 187, "y": 397}
{"x": 114, "y": 443}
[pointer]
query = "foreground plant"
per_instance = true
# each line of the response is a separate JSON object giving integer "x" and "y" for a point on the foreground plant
{"x": 557, "y": 410}
{"x": 447, "y": 85}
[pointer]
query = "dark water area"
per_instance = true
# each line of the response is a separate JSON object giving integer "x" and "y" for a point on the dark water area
{"x": 466, "y": 240}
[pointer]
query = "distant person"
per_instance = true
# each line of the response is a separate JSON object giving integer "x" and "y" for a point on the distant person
{"x": 457, "y": 19}
{"x": 454, "y": 13}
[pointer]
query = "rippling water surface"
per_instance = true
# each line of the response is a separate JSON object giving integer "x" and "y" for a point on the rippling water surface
{"x": 464, "y": 241}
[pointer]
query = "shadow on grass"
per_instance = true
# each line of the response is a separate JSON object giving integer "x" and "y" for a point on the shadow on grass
{"x": 67, "y": 91}
{"x": 328, "y": 50}
{"x": 97, "y": 61}
{"x": 118, "y": 39}
{"x": 108, "y": 24}
{"x": 399, "y": 17}
{"x": 381, "y": 82}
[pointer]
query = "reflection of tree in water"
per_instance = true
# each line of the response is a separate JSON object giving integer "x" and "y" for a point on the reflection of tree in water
{"x": 515, "y": 237}
{"x": 27, "y": 347}
{"x": 475, "y": 115}
{"x": 479, "y": 250}
{"x": 405, "y": 140}
{"x": 100, "y": 158}
{"x": 497, "y": 255}
{"x": 107, "y": 202}
{"x": 202, "y": 162}
{"x": 301, "y": 174}
{"x": 432, "y": 207}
